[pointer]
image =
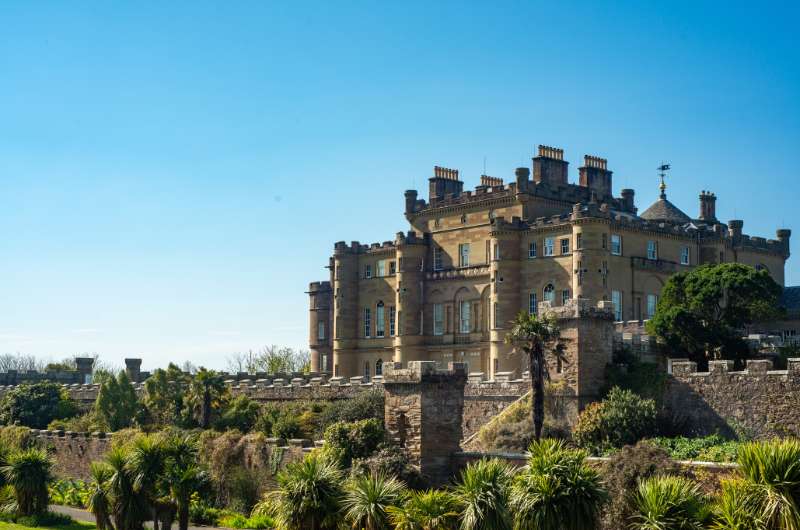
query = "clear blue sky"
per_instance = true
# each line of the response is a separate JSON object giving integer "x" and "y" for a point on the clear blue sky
{"x": 172, "y": 175}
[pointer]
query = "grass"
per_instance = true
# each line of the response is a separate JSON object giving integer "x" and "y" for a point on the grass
{"x": 75, "y": 525}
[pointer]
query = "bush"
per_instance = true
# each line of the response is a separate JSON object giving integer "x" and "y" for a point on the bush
{"x": 712, "y": 448}
{"x": 623, "y": 418}
{"x": 622, "y": 473}
{"x": 16, "y": 438}
{"x": 70, "y": 492}
{"x": 389, "y": 460}
{"x": 240, "y": 521}
{"x": 346, "y": 441}
{"x": 286, "y": 427}
{"x": 365, "y": 406}
{"x": 36, "y": 405}
{"x": 240, "y": 414}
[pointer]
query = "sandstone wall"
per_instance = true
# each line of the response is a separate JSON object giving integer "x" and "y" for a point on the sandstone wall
{"x": 758, "y": 401}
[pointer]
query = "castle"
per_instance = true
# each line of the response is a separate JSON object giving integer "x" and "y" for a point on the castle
{"x": 445, "y": 290}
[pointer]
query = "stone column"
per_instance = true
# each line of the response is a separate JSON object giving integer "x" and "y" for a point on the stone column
{"x": 423, "y": 414}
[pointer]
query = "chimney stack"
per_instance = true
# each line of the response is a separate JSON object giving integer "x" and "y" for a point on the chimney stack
{"x": 411, "y": 201}
{"x": 444, "y": 182}
{"x": 549, "y": 166}
{"x": 522, "y": 174}
{"x": 486, "y": 180}
{"x": 708, "y": 206}
{"x": 627, "y": 200}
{"x": 735, "y": 228}
{"x": 595, "y": 175}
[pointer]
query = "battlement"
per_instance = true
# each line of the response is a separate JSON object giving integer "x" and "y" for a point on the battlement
{"x": 422, "y": 371}
{"x": 579, "y": 308}
{"x": 755, "y": 367}
{"x": 551, "y": 152}
{"x": 317, "y": 287}
{"x": 595, "y": 162}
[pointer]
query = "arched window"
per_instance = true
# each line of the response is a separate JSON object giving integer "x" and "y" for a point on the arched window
{"x": 549, "y": 293}
{"x": 379, "y": 367}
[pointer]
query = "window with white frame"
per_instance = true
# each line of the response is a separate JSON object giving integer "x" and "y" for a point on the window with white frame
{"x": 549, "y": 293}
{"x": 684, "y": 255}
{"x": 532, "y": 250}
{"x": 463, "y": 255}
{"x": 652, "y": 302}
{"x": 616, "y": 244}
{"x": 616, "y": 299}
{"x": 437, "y": 258}
{"x": 438, "y": 319}
{"x": 533, "y": 303}
{"x": 465, "y": 314}
{"x": 565, "y": 246}
{"x": 320, "y": 330}
{"x": 564, "y": 296}
{"x": 549, "y": 244}
{"x": 652, "y": 250}
{"x": 392, "y": 319}
{"x": 367, "y": 271}
{"x": 380, "y": 320}
{"x": 367, "y": 322}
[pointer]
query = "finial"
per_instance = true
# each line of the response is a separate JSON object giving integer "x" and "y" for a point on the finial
{"x": 662, "y": 172}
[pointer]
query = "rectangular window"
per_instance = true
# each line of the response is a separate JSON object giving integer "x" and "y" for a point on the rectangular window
{"x": 616, "y": 244}
{"x": 616, "y": 299}
{"x": 533, "y": 303}
{"x": 532, "y": 250}
{"x": 367, "y": 322}
{"x": 465, "y": 312}
{"x": 380, "y": 321}
{"x": 496, "y": 251}
{"x": 437, "y": 258}
{"x": 684, "y": 255}
{"x": 320, "y": 330}
{"x": 392, "y": 267}
{"x": 579, "y": 241}
{"x": 549, "y": 244}
{"x": 463, "y": 255}
{"x": 336, "y": 272}
{"x": 652, "y": 302}
{"x": 565, "y": 246}
{"x": 367, "y": 271}
{"x": 494, "y": 314}
{"x": 438, "y": 319}
{"x": 564, "y": 296}
{"x": 392, "y": 319}
{"x": 380, "y": 271}
{"x": 652, "y": 250}
{"x": 605, "y": 241}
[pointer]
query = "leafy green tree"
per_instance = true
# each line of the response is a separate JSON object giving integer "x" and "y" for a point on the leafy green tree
{"x": 164, "y": 394}
{"x": 240, "y": 414}
{"x": 532, "y": 334}
{"x": 702, "y": 313}
{"x": 309, "y": 495}
{"x": 116, "y": 403}
{"x": 669, "y": 502}
{"x": 426, "y": 510}
{"x": 557, "y": 490}
{"x": 483, "y": 493}
{"x": 36, "y": 405}
{"x": 207, "y": 396}
{"x": 29, "y": 473}
{"x": 367, "y": 498}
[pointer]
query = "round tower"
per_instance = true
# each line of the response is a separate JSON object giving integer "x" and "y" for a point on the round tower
{"x": 345, "y": 307}
{"x": 590, "y": 251}
{"x": 320, "y": 296}
{"x": 409, "y": 338}
{"x": 504, "y": 271}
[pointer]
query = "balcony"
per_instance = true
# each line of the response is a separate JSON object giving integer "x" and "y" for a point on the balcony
{"x": 457, "y": 338}
{"x": 655, "y": 265}
{"x": 459, "y": 273}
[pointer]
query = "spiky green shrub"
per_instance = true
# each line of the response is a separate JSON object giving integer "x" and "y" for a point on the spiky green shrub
{"x": 483, "y": 493}
{"x": 773, "y": 469}
{"x": 98, "y": 502}
{"x": 367, "y": 498}
{"x": 309, "y": 495}
{"x": 738, "y": 507}
{"x": 668, "y": 503}
{"x": 29, "y": 473}
{"x": 557, "y": 490}
{"x": 426, "y": 510}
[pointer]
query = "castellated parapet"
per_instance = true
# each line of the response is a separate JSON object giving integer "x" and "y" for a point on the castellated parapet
{"x": 758, "y": 401}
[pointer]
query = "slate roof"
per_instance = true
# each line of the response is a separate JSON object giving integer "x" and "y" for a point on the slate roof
{"x": 663, "y": 210}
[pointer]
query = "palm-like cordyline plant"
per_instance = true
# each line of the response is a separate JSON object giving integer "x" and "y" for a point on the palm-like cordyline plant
{"x": 309, "y": 495}
{"x": 99, "y": 503}
{"x": 738, "y": 506}
{"x": 483, "y": 493}
{"x": 426, "y": 510}
{"x": 366, "y": 499}
{"x": 206, "y": 393}
{"x": 183, "y": 475}
{"x": 29, "y": 473}
{"x": 773, "y": 469}
{"x": 146, "y": 462}
{"x": 556, "y": 490}
{"x": 128, "y": 506}
{"x": 531, "y": 334}
{"x": 669, "y": 503}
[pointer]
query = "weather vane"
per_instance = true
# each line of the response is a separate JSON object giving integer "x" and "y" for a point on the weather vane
{"x": 662, "y": 172}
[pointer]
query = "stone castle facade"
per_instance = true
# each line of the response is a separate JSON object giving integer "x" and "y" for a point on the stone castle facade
{"x": 446, "y": 289}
